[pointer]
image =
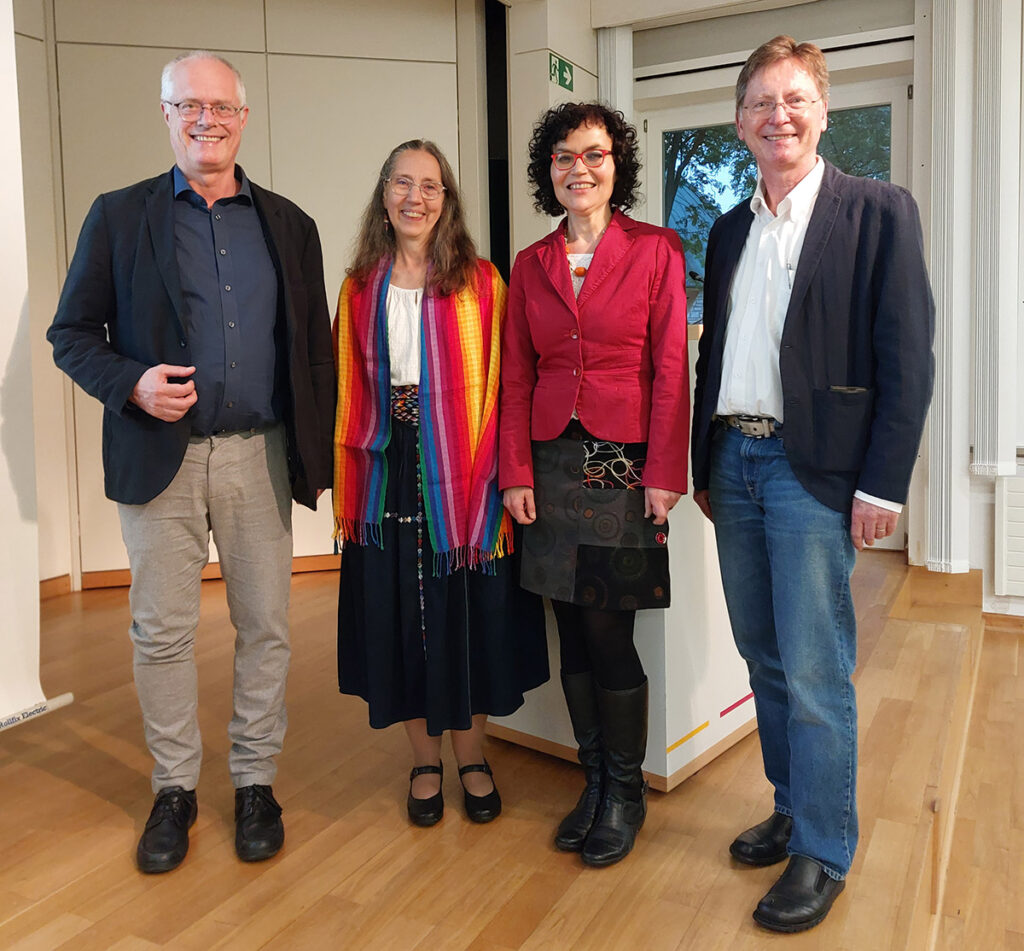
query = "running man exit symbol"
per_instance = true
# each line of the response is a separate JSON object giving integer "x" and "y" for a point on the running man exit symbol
{"x": 560, "y": 72}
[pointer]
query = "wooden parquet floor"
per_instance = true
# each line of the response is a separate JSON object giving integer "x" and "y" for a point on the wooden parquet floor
{"x": 355, "y": 875}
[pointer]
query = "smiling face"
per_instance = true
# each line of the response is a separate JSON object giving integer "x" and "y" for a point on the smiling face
{"x": 413, "y": 217}
{"x": 783, "y": 144}
{"x": 206, "y": 146}
{"x": 584, "y": 191}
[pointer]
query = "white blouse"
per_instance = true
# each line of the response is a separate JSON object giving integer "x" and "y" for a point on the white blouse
{"x": 575, "y": 261}
{"x": 403, "y": 310}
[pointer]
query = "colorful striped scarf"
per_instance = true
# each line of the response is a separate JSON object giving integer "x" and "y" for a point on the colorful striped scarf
{"x": 458, "y": 402}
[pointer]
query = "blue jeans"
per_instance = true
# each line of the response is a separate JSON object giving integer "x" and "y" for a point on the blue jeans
{"x": 786, "y": 561}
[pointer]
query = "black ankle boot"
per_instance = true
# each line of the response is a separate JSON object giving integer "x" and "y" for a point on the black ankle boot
{"x": 586, "y": 727}
{"x": 624, "y": 806}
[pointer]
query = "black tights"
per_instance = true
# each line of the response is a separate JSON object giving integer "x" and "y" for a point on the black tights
{"x": 601, "y": 641}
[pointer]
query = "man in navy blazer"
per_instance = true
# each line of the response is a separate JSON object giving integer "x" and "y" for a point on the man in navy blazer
{"x": 194, "y": 309}
{"x": 813, "y": 380}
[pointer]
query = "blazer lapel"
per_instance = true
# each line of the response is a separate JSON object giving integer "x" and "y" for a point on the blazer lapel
{"x": 612, "y": 247}
{"x": 160, "y": 221}
{"x": 727, "y": 259}
{"x": 819, "y": 228}
{"x": 555, "y": 265}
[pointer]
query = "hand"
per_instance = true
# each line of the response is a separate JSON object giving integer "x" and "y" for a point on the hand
{"x": 870, "y": 522}
{"x": 703, "y": 500}
{"x": 659, "y": 502}
{"x": 167, "y": 401}
{"x": 519, "y": 502}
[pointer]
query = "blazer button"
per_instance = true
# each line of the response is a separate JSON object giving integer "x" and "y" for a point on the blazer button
{"x": 575, "y": 335}
{"x": 575, "y": 371}
{"x": 181, "y": 343}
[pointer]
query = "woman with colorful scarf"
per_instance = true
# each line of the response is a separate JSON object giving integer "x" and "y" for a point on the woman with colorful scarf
{"x": 432, "y": 629}
{"x": 594, "y": 424}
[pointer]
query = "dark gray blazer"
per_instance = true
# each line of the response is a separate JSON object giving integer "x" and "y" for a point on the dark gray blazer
{"x": 121, "y": 311}
{"x": 856, "y": 354}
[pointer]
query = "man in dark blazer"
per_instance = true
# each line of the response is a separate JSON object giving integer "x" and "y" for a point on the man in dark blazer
{"x": 194, "y": 310}
{"x": 813, "y": 380}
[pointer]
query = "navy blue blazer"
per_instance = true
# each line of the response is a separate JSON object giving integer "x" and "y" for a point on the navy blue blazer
{"x": 856, "y": 354}
{"x": 121, "y": 311}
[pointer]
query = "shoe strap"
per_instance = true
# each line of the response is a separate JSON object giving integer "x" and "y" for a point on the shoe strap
{"x": 421, "y": 770}
{"x": 483, "y": 767}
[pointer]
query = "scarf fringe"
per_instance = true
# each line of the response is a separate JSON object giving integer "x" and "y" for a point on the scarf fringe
{"x": 474, "y": 557}
{"x": 357, "y": 532}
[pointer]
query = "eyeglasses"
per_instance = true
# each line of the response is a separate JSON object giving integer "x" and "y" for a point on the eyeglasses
{"x": 793, "y": 106}
{"x": 429, "y": 191}
{"x": 592, "y": 158}
{"x": 190, "y": 110}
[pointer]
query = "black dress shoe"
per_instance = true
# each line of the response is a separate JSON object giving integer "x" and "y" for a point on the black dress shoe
{"x": 800, "y": 899}
{"x": 765, "y": 843}
{"x": 425, "y": 812}
{"x": 164, "y": 841}
{"x": 481, "y": 808}
{"x": 259, "y": 831}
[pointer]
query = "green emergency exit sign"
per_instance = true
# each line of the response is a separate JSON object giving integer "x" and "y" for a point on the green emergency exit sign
{"x": 560, "y": 71}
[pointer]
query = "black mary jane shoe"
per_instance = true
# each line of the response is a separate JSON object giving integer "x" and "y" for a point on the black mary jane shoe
{"x": 425, "y": 812}
{"x": 800, "y": 899}
{"x": 481, "y": 808}
{"x": 764, "y": 844}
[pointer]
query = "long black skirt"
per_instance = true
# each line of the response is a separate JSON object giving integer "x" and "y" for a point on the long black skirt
{"x": 414, "y": 645}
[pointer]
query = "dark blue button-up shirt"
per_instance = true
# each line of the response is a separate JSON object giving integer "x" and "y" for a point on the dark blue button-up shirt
{"x": 230, "y": 290}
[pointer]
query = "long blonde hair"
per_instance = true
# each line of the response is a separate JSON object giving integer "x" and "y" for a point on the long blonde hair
{"x": 452, "y": 253}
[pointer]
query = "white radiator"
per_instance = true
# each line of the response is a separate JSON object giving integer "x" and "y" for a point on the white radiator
{"x": 1009, "y": 573}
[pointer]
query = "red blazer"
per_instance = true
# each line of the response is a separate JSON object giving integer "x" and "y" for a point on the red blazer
{"x": 617, "y": 355}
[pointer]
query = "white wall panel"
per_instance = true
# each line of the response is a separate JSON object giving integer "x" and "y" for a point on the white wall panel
{"x": 184, "y": 24}
{"x": 28, "y": 20}
{"x": 44, "y": 283}
{"x": 329, "y": 163}
{"x": 384, "y": 29}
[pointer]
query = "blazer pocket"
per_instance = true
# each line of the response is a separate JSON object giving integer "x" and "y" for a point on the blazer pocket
{"x": 842, "y": 419}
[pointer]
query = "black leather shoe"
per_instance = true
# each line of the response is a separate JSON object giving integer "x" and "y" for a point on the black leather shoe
{"x": 800, "y": 899}
{"x": 765, "y": 843}
{"x": 259, "y": 831}
{"x": 481, "y": 808}
{"x": 425, "y": 812}
{"x": 164, "y": 841}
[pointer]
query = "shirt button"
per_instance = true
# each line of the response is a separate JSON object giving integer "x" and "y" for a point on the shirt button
{"x": 227, "y": 287}
{"x": 222, "y": 251}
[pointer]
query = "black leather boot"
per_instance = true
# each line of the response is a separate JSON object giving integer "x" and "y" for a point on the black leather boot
{"x": 624, "y": 807}
{"x": 586, "y": 727}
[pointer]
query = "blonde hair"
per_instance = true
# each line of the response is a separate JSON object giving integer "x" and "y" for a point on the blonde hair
{"x": 781, "y": 48}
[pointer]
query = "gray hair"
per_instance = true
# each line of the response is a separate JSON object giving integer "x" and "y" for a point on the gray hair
{"x": 167, "y": 76}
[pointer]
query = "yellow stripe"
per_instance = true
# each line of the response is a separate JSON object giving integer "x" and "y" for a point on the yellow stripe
{"x": 689, "y": 736}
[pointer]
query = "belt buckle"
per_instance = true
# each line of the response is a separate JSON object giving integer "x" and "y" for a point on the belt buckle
{"x": 757, "y": 427}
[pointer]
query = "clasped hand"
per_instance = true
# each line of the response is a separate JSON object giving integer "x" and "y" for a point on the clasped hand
{"x": 156, "y": 395}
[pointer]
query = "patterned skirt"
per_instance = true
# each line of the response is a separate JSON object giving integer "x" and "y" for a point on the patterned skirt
{"x": 415, "y": 645}
{"x": 591, "y": 544}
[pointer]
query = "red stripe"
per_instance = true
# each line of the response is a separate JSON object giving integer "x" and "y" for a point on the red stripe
{"x": 733, "y": 706}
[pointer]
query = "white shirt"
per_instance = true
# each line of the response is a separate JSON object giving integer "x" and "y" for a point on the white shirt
{"x": 758, "y": 301}
{"x": 575, "y": 261}
{"x": 403, "y": 309}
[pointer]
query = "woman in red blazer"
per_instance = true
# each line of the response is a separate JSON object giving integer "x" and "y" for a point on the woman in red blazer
{"x": 593, "y": 443}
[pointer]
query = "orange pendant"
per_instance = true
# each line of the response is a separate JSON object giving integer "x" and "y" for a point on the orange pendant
{"x": 580, "y": 271}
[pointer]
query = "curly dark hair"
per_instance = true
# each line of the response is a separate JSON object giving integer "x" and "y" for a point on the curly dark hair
{"x": 555, "y": 125}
